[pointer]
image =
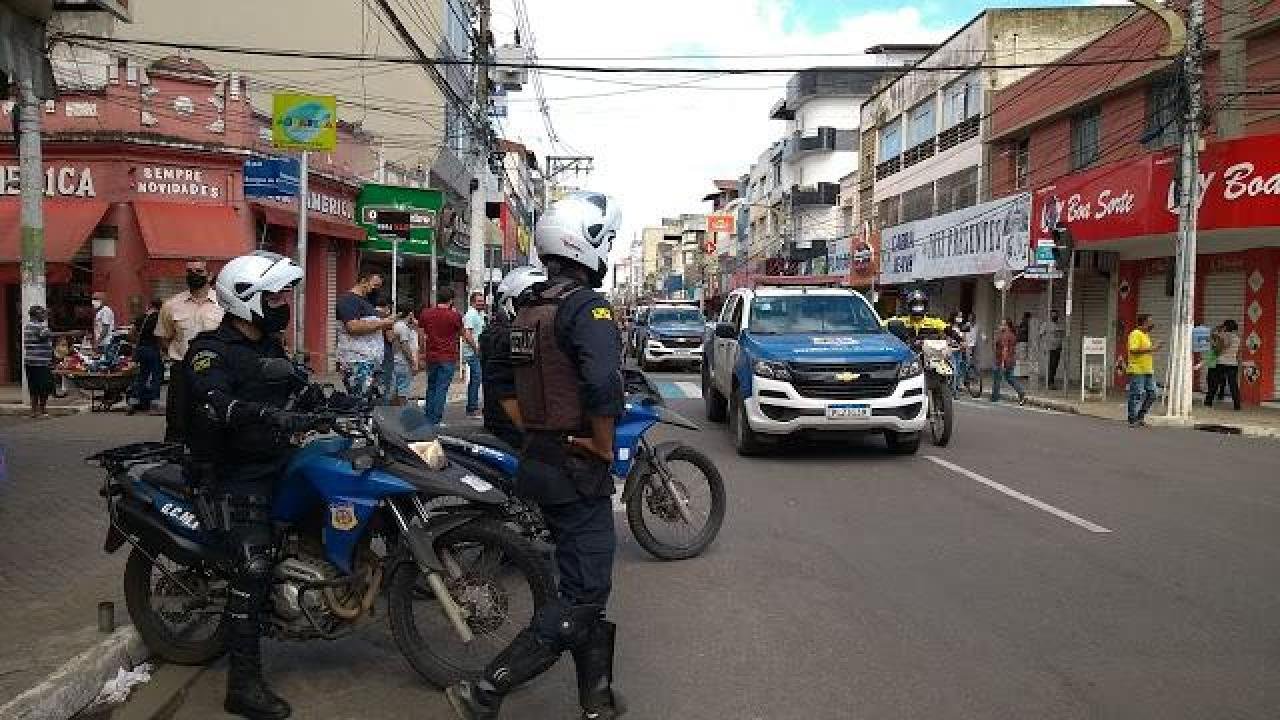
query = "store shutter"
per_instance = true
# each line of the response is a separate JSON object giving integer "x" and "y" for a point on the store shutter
{"x": 1152, "y": 300}
{"x": 1089, "y": 317}
{"x": 331, "y": 290}
{"x": 1275, "y": 376}
{"x": 1224, "y": 294}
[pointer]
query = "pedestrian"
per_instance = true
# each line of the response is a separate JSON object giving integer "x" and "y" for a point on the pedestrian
{"x": 360, "y": 345}
{"x": 146, "y": 352}
{"x": 567, "y": 356}
{"x": 1051, "y": 336}
{"x": 1023, "y": 347}
{"x": 441, "y": 328}
{"x": 960, "y": 353}
{"x": 1141, "y": 370}
{"x": 1228, "y": 364}
{"x": 387, "y": 371}
{"x": 104, "y": 322}
{"x": 404, "y": 353}
{"x": 1209, "y": 363}
{"x": 473, "y": 322}
{"x": 37, "y": 360}
{"x": 183, "y": 317}
{"x": 1006, "y": 352}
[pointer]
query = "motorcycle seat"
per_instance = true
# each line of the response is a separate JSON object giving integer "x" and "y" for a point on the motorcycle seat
{"x": 478, "y": 435}
{"x": 170, "y": 477}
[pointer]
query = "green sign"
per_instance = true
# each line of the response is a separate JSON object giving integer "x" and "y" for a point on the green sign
{"x": 304, "y": 122}
{"x": 423, "y": 206}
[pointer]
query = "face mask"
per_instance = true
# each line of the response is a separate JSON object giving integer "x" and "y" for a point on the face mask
{"x": 97, "y": 304}
{"x": 275, "y": 319}
{"x": 195, "y": 281}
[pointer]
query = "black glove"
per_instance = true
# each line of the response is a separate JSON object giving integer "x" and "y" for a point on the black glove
{"x": 292, "y": 422}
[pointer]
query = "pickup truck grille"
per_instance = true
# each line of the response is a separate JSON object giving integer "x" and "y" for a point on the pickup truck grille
{"x": 824, "y": 381}
{"x": 681, "y": 342}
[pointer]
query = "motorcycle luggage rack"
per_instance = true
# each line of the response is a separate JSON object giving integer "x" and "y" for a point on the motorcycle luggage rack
{"x": 134, "y": 453}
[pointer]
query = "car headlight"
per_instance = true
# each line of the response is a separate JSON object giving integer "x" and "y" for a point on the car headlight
{"x": 654, "y": 343}
{"x": 772, "y": 369}
{"x": 910, "y": 369}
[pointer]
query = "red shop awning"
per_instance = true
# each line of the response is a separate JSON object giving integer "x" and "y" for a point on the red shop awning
{"x": 67, "y": 225}
{"x": 181, "y": 231}
{"x": 285, "y": 217}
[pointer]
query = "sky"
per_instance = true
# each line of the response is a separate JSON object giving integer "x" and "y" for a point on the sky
{"x": 658, "y": 149}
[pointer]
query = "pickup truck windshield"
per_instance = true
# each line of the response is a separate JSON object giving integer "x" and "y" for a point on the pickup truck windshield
{"x": 676, "y": 316}
{"x": 812, "y": 314}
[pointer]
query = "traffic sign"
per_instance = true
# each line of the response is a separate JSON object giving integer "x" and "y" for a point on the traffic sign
{"x": 709, "y": 244}
{"x": 271, "y": 177}
{"x": 1042, "y": 272}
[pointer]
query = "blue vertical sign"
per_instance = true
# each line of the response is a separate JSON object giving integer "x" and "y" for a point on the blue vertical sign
{"x": 271, "y": 177}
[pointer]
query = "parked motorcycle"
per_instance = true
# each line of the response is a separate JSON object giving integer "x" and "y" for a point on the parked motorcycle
{"x": 351, "y": 512}
{"x": 673, "y": 493}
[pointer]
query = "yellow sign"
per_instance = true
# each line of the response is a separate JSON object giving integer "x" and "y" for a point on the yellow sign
{"x": 304, "y": 122}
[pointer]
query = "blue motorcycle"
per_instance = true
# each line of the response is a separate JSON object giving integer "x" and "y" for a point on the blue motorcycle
{"x": 373, "y": 507}
{"x": 673, "y": 494}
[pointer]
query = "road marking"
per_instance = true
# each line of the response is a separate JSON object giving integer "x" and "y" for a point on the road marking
{"x": 690, "y": 389}
{"x": 1074, "y": 519}
{"x": 988, "y": 405}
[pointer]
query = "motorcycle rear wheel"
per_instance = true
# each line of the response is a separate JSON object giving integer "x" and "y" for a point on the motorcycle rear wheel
{"x": 653, "y": 496}
{"x": 488, "y": 552}
{"x": 160, "y": 629}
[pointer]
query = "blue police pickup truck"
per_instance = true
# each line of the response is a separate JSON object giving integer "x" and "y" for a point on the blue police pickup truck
{"x": 788, "y": 359}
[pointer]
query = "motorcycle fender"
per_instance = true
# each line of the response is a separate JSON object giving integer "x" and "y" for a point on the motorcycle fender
{"x": 421, "y": 547}
{"x": 661, "y": 452}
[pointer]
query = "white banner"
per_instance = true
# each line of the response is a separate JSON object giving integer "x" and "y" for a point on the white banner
{"x": 976, "y": 240}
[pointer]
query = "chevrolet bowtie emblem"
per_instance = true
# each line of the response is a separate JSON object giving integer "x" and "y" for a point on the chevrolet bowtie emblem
{"x": 847, "y": 376}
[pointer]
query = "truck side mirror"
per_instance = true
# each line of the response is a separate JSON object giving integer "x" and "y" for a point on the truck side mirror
{"x": 728, "y": 331}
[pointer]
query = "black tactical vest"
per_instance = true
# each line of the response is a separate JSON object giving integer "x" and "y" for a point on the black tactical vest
{"x": 546, "y": 378}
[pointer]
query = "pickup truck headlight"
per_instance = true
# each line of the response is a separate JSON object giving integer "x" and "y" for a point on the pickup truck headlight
{"x": 910, "y": 369}
{"x": 772, "y": 369}
{"x": 654, "y": 343}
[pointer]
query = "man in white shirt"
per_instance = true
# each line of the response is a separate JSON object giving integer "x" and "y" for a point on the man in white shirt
{"x": 104, "y": 321}
{"x": 473, "y": 323}
{"x": 182, "y": 317}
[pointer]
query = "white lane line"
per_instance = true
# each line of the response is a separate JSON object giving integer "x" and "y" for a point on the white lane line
{"x": 690, "y": 389}
{"x": 1073, "y": 519}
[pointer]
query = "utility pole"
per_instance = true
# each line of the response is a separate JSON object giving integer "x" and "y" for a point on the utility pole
{"x": 1179, "y": 401}
{"x": 32, "y": 211}
{"x": 482, "y": 150}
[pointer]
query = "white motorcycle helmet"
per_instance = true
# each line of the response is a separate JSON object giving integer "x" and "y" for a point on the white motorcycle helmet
{"x": 244, "y": 280}
{"x": 579, "y": 228}
{"x": 515, "y": 284}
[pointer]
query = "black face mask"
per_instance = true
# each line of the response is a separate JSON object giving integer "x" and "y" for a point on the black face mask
{"x": 274, "y": 319}
{"x": 195, "y": 281}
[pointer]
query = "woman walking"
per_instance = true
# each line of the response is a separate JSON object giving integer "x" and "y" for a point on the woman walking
{"x": 1006, "y": 351}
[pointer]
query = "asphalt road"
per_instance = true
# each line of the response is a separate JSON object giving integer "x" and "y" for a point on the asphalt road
{"x": 1042, "y": 566}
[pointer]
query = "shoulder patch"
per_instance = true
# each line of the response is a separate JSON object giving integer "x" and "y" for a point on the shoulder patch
{"x": 203, "y": 360}
{"x": 602, "y": 313}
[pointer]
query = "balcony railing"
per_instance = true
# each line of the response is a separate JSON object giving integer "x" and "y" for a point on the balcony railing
{"x": 888, "y": 167}
{"x": 957, "y": 134}
{"x": 921, "y": 151}
{"x": 822, "y": 194}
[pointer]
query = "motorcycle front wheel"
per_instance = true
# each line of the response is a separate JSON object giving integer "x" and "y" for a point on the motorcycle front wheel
{"x": 940, "y": 411}
{"x": 501, "y": 582}
{"x": 178, "y": 611}
{"x": 654, "y": 512}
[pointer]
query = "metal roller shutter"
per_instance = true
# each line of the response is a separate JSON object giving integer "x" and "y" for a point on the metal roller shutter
{"x": 1224, "y": 294}
{"x": 1089, "y": 317}
{"x": 1275, "y": 377}
{"x": 1153, "y": 301}
{"x": 331, "y": 290}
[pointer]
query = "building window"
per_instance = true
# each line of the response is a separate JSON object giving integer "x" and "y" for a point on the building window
{"x": 887, "y": 212}
{"x": 960, "y": 101}
{"x": 920, "y": 123}
{"x": 1086, "y": 132}
{"x": 1164, "y": 106}
{"x": 1022, "y": 164}
{"x": 917, "y": 203}
{"x": 891, "y": 140}
{"x": 958, "y": 190}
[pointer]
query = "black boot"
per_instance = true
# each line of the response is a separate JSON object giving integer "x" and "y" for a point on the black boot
{"x": 593, "y": 661}
{"x": 247, "y": 693}
{"x": 524, "y": 659}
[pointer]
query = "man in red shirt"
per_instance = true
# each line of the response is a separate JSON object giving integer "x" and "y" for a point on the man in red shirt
{"x": 441, "y": 329}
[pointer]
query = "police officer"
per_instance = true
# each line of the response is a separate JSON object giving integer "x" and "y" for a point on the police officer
{"x": 239, "y": 433}
{"x": 566, "y": 352}
{"x": 918, "y": 324}
{"x": 500, "y": 404}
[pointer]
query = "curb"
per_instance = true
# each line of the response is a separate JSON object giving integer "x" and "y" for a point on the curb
{"x": 54, "y": 410}
{"x": 71, "y": 688}
{"x": 1258, "y": 431}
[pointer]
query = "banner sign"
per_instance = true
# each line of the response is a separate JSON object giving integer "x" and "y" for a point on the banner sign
{"x": 423, "y": 210}
{"x": 720, "y": 223}
{"x": 271, "y": 177}
{"x": 977, "y": 240}
{"x": 304, "y": 122}
{"x": 1238, "y": 187}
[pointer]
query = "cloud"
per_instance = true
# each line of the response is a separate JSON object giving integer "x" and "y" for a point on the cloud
{"x": 659, "y": 149}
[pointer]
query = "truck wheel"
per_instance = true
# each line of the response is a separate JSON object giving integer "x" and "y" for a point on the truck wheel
{"x": 712, "y": 398}
{"x": 745, "y": 440}
{"x": 902, "y": 443}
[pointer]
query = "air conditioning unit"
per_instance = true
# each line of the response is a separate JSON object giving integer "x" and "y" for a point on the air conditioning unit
{"x": 503, "y": 74}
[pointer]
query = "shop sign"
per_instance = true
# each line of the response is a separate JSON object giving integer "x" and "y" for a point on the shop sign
{"x": 304, "y": 122}
{"x": 977, "y": 240}
{"x": 424, "y": 207}
{"x": 63, "y": 181}
{"x": 271, "y": 177}
{"x": 330, "y": 205}
{"x": 175, "y": 182}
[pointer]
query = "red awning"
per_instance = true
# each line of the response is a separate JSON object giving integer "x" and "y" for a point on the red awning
{"x": 178, "y": 230}
{"x": 67, "y": 225}
{"x": 286, "y": 217}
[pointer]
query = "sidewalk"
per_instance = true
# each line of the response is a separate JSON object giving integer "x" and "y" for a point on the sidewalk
{"x": 1252, "y": 420}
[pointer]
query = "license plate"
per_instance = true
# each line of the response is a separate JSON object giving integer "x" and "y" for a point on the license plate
{"x": 836, "y": 412}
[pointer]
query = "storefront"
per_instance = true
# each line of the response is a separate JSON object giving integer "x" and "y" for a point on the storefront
{"x": 1127, "y": 212}
{"x": 122, "y": 225}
